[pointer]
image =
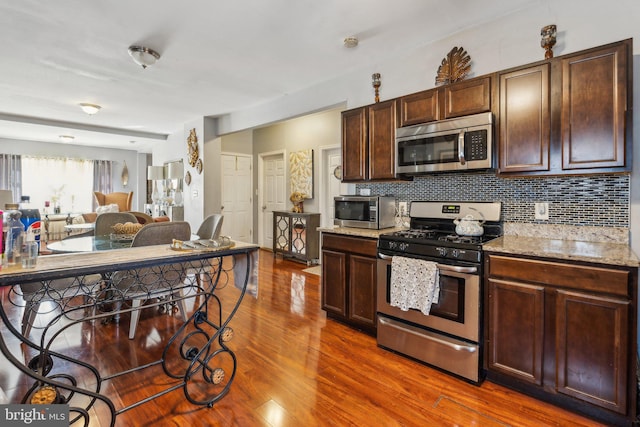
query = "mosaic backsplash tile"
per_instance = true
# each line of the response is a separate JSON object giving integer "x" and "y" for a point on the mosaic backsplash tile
{"x": 593, "y": 200}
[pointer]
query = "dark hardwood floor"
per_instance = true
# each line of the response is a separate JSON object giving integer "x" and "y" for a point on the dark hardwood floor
{"x": 294, "y": 368}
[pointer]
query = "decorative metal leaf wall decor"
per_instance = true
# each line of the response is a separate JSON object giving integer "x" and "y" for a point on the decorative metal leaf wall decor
{"x": 192, "y": 147}
{"x": 455, "y": 66}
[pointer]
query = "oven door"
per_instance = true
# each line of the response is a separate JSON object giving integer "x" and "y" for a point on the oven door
{"x": 458, "y": 310}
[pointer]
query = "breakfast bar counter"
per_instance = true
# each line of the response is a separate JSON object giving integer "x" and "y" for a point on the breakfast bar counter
{"x": 196, "y": 358}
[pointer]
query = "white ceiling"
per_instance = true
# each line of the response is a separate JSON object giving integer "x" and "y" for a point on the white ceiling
{"x": 217, "y": 57}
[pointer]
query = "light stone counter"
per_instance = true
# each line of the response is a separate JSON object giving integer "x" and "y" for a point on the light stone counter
{"x": 359, "y": 232}
{"x": 590, "y": 244}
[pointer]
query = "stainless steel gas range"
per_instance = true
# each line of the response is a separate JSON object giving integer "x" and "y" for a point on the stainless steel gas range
{"x": 450, "y": 336}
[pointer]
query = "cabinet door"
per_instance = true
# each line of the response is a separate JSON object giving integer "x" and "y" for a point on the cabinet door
{"x": 382, "y": 135}
{"x": 281, "y": 232}
{"x": 362, "y": 289}
{"x": 525, "y": 132}
{"x": 516, "y": 330}
{"x": 419, "y": 108}
{"x": 467, "y": 97}
{"x": 594, "y": 106}
{"x": 592, "y": 348}
{"x": 354, "y": 145}
{"x": 334, "y": 282}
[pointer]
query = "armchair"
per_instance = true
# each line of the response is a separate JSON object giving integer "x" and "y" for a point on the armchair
{"x": 123, "y": 200}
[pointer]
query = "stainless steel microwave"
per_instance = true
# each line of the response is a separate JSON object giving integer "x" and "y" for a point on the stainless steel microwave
{"x": 463, "y": 143}
{"x": 373, "y": 212}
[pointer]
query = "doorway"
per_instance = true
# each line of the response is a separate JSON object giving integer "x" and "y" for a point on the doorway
{"x": 331, "y": 186}
{"x": 272, "y": 194}
{"x": 237, "y": 200}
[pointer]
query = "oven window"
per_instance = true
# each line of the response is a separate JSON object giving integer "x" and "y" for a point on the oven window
{"x": 431, "y": 150}
{"x": 451, "y": 300}
{"x": 352, "y": 210}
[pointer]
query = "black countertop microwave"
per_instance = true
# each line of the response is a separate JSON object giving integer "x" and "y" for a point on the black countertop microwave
{"x": 374, "y": 212}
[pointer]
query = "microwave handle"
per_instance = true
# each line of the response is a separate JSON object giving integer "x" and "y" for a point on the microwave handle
{"x": 461, "y": 148}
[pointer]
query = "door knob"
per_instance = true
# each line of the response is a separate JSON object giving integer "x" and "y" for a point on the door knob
{"x": 221, "y": 207}
{"x": 264, "y": 207}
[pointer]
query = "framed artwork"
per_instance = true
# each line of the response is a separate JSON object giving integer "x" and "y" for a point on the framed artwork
{"x": 301, "y": 172}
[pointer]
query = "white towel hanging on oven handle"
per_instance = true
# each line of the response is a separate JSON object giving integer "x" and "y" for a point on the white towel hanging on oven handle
{"x": 414, "y": 283}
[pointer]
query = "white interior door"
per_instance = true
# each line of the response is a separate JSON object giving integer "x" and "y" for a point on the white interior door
{"x": 331, "y": 184}
{"x": 274, "y": 195}
{"x": 237, "y": 197}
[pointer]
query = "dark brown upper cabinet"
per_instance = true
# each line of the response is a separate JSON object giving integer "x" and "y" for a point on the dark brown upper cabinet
{"x": 595, "y": 89}
{"x": 524, "y": 129}
{"x": 567, "y": 115}
{"x": 368, "y": 142}
{"x": 446, "y": 102}
{"x": 355, "y": 147}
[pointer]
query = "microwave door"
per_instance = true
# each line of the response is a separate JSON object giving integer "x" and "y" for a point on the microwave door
{"x": 435, "y": 152}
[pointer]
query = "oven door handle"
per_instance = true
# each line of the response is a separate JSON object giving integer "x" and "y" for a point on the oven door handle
{"x": 431, "y": 337}
{"x": 443, "y": 267}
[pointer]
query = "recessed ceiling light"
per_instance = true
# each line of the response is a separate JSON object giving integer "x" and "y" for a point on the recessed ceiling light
{"x": 66, "y": 138}
{"x": 143, "y": 56}
{"x": 90, "y": 109}
{"x": 350, "y": 42}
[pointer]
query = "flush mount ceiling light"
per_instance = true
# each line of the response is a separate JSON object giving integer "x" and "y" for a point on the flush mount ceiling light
{"x": 90, "y": 109}
{"x": 350, "y": 42}
{"x": 143, "y": 56}
{"x": 66, "y": 138}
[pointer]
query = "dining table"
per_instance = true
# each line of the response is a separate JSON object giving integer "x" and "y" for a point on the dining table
{"x": 92, "y": 244}
{"x": 198, "y": 358}
{"x": 88, "y": 244}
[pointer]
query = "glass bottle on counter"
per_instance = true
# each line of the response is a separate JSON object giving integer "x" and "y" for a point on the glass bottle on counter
{"x": 15, "y": 238}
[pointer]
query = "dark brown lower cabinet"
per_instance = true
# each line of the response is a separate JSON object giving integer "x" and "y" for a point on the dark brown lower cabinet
{"x": 564, "y": 332}
{"x": 349, "y": 280}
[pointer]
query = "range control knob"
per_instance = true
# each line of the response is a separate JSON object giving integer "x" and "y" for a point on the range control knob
{"x": 455, "y": 253}
{"x": 442, "y": 251}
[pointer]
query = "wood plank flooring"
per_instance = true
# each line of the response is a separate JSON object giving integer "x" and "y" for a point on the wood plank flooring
{"x": 295, "y": 368}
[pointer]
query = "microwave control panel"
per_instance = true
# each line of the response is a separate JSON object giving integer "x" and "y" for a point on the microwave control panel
{"x": 475, "y": 145}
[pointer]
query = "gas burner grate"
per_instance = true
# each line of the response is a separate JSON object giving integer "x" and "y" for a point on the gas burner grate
{"x": 454, "y": 238}
{"x": 416, "y": 234}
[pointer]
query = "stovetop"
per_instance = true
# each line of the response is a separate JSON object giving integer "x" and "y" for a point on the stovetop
{"x": 436, "y": 237}
{"x": 428, "y": 236}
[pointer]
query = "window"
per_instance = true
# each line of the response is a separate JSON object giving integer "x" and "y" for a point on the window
{"x": 67, "y": 183}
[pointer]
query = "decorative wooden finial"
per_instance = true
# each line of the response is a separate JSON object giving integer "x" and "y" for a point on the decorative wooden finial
{"x": 376, "y": 85}
{"x": 548, "y": 40}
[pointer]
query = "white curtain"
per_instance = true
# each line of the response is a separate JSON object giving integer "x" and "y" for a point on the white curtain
{"x": 67, "y": 183}
{"x": 10, "y": 175}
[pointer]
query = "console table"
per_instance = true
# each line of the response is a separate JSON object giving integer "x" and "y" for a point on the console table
{"x": 196, "y": 359}
{"x": 296, "y": 235}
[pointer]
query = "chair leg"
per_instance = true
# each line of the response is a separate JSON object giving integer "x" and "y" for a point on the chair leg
{"x": 29, "y": 317}
{"x": 135, "y": 316}
{"x": 181, "y": 304}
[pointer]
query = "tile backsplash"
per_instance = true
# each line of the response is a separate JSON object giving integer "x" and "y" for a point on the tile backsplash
{"x": 593, "y": 200}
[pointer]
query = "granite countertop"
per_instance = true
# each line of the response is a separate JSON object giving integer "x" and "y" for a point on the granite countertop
{"x": 590, "y": 244}
{"x": 359, "y": 232}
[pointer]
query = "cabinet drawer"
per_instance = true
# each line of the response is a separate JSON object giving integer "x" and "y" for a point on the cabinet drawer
{"x": 588, "y": 278}
{"x": 354, "y": 245}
